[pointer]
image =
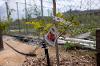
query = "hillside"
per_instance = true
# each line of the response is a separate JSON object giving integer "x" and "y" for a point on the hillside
{"x": 87, "y": 16}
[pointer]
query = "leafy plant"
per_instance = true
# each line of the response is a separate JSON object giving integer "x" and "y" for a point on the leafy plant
{"x": 42, "y": 26}
{"x": 3, "y": 25}
{"x": 68, "y": 45}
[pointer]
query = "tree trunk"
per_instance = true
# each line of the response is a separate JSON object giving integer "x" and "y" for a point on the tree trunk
{"x": 1, "y": 41}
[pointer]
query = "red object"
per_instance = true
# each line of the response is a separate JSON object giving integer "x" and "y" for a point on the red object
{"x": 51, "y": 37}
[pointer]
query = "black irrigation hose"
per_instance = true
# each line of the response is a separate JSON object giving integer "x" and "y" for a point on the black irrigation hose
{"x": 26, "y": 54}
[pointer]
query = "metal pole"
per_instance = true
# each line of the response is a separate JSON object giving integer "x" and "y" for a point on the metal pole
{"x": 7, "y": 11}
{"x": 54, "y": 7}
{"x": 47, "y": 56}
{"x": 25, "y": 10}
{"x": 42, "y": 8}
{"x": 43, "y": 43}
{"x": 56, "y": 45}
{"x": 46, "y": 52}
{"x": 0, "y": 17}
{"x": 18, "y": 16}
{"x": 7, "y": 8}
{"x": 26, "y": 17}
{"x": 48, "y": 12}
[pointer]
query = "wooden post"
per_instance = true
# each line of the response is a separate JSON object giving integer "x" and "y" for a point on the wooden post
{"x": 98, "y": 46}
{"x": 56, "y": 45}
{"x": 1, "y": 41}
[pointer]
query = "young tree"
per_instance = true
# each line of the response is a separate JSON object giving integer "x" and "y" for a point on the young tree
{"x": 42, "y": 26}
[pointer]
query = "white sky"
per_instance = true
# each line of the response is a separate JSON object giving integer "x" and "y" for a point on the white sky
{"x": 62, "y": 5}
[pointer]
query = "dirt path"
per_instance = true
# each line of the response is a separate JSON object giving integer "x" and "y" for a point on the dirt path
{"x": 9, "y": 57}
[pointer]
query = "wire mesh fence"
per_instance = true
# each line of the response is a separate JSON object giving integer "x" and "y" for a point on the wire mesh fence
{"x": 19, "y": 12}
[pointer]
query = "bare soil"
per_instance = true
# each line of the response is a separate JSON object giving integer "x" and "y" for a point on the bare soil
{"x": 69, "y": 58}
{"x": 8, "y": 57}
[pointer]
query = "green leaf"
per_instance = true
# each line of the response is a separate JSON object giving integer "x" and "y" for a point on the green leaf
{"x": 60, "y": 15}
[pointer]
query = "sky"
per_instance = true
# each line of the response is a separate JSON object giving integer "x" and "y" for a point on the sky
{"x": 62, "y": 6}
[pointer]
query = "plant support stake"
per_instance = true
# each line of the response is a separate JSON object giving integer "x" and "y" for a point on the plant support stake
{"x": 46, "y": 52}
{"x": 56, "y": 45}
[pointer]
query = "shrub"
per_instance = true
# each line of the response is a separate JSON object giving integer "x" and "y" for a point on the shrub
{"x": 69, "y": 46}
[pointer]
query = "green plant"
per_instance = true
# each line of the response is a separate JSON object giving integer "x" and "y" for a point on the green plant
{"x": 68, "y": 45}
{"x": 3, "y": 25}
{"x": 42, "y": 26}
